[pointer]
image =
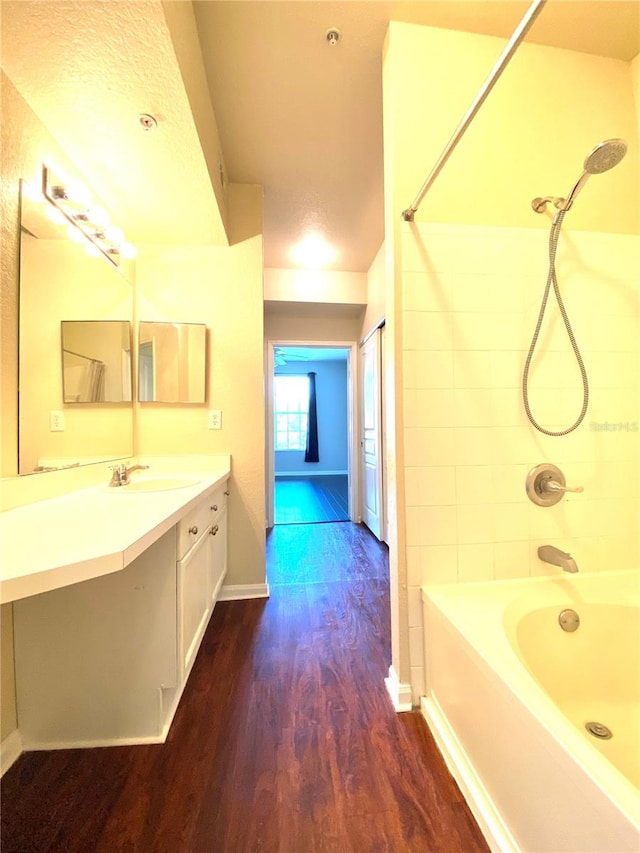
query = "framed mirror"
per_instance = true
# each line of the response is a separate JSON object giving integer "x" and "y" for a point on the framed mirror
{"x": 60, "y": 281}
{"x": 171, "y": 362}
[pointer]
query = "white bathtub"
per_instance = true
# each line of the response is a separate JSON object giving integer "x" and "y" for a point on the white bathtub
{"x": 509, "y": 692}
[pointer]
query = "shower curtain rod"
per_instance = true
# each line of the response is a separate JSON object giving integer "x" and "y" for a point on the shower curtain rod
{"x": 512, "y": 45}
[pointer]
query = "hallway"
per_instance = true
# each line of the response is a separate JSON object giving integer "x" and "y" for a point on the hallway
{"x": 284, "y": 741}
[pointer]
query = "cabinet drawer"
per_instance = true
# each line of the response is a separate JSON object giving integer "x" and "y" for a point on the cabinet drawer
{"x": 200, "y": 519}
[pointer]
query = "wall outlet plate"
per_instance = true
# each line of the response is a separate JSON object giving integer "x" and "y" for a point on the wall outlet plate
{"x": 215, "y": 419}
{"x": 56, "y": 421}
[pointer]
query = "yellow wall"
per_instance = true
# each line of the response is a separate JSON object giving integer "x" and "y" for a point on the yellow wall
{"x": 547, "y": 111}
{"x": 60, "y": 282}
{"x": 464, "y": 299}
{"x": 376, "y": 286}
{"x": 221, "y": 287}
{"x": 26, "y": 144}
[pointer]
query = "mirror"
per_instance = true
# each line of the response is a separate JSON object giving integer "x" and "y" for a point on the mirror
{"x": 60, "y": 281}
{"x": 171, "y": 362}
{"x": 96, "y": 361}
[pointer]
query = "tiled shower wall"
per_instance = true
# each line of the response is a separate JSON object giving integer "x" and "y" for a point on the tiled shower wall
{"x": 471, "y": 296}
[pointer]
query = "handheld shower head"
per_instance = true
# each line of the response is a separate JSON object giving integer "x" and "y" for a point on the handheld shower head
{"x": 605, "y": 156}
{"x": 600, "y": 159}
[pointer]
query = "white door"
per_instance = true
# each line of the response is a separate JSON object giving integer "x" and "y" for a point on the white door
{"x": 371, "y": 442}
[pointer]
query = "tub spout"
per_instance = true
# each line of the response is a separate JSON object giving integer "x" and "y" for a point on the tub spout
{"x": 556, "y": 557}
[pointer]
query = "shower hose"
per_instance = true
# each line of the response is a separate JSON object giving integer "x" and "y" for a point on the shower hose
{"x": 552, "y": 280}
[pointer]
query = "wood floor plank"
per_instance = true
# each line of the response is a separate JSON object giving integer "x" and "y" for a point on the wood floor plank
{"x": 284, "y": 742}
{"x": 311, "y": 499}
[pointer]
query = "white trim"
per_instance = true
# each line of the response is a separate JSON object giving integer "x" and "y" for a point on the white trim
{"x": 240, "y": 592}
{"x": 310, "y": 473}
{"x": 10, "y": 750}
{"x": 484, "y": 810}
{"x": 37, "y": 746}
{"x": 352, "y": 421}
{"x": 399, "y": 692}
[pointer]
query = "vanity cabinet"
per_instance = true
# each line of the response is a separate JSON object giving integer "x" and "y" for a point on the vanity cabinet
{"x": 200, "y": 571}
{"x": 105, "y": 661}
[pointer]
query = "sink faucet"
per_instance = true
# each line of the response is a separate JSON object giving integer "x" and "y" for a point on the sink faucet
{"x": 120, "y": 475}
{"x": 556, "y": 557}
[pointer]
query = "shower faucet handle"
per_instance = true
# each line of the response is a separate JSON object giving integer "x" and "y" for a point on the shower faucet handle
{"x": 552, "y": 485}
{"x": 545, "y": 485}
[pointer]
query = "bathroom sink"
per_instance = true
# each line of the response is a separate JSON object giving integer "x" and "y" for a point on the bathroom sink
{"x": 154, "y": 484}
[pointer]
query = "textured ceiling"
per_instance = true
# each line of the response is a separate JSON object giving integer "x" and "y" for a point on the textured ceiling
{"x": 299, "y": 117}
{"x": 88, "y": 69}
{"x": 305, "y": 119}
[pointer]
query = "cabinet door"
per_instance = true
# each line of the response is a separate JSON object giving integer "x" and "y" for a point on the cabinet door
{"x": 218, "y": 567}
{"x": 194, "y": 584}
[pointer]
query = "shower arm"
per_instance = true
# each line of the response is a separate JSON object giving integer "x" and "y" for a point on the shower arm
{"x": 512, "y": 45}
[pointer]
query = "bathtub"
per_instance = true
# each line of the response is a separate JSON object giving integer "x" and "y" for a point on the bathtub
{"x": 508, "y": 696}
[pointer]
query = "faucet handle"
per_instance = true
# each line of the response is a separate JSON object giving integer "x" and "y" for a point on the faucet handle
{"x": 545, "y": 485}
{"x": 552, "y": 485}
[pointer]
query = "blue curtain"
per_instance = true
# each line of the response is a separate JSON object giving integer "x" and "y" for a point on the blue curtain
{"x": 311, "y": 453}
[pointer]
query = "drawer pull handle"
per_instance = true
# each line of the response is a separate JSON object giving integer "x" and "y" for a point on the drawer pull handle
{"x": 193, "y": 530}
{"x": 215, "y": 507}
{"x": 227, "y": 492}
{"x": 214, "y": 530}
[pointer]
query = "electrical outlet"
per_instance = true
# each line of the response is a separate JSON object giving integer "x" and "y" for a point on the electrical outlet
{"x": 56, "y": 421}
{"x": 215, "y": 419}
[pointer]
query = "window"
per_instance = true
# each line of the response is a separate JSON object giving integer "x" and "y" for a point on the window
{"x": 291, "y": 407}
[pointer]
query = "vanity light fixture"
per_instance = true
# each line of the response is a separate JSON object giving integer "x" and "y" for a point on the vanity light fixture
{"x": 72, "y": 203}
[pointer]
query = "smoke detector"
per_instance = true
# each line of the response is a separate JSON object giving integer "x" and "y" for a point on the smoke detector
{"x": 147, "y": 122}
{"x": 333, "y": 36}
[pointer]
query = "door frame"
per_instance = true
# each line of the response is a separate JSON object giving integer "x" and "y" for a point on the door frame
{"x": 353, "y": 425}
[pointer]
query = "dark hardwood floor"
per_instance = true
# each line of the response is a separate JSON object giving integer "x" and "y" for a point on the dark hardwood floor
{"x": 284, "y": 741}
{"x": 305, "y": 500}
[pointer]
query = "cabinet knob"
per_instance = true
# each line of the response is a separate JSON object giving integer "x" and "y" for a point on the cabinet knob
{"x": 214, "y": 530}
{"x": 227, "y": 492}
{"x": 215, "y": 507}
{"x": 193, "y": 530}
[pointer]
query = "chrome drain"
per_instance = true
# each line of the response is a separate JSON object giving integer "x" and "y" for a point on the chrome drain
{"x": 599, "y": 730}
{"x": 569, "y": 620}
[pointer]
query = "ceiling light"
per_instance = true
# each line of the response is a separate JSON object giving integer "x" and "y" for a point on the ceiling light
{"x": 312, "y": 252}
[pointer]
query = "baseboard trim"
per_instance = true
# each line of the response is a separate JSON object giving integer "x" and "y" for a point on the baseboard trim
{"x": 37, "y": 746}
{"x": 311, "y": 474}
{"x": 240, "y": 592}
{"x": 10, "y": 750}
{"x": 399, "y": 692}
{"x": 487, "y": 816}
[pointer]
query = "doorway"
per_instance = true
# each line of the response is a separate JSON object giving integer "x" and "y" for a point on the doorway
{"x": 311, "y": 386}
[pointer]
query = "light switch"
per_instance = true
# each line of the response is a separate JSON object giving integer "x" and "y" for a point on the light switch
{"x": 215, "y": 419}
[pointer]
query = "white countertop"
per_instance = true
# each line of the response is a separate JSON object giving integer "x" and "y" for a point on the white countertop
{"x": 91, "y": 532}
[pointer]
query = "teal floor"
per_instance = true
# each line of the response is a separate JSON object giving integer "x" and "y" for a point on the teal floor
{"x": 308, "y": 500}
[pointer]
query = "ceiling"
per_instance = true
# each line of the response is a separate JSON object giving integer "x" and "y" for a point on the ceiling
{"x": 304, "y": 119}
{"x": 299, "y": 117}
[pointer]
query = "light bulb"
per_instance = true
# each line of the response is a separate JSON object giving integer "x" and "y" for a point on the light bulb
{"x": 55, "y": 215}
{"x": 114, "y": 235}
{"x": 78, "y": 193}
{"x": 75, "y": 234}
{"x": 128, "y": 250}
{"x": 98, "y": 215}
